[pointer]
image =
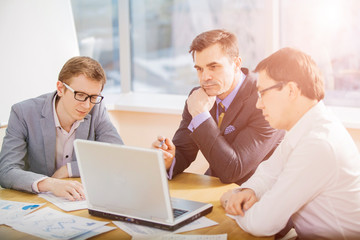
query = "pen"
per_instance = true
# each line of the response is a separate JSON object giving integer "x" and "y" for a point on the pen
{"x": 162, "y": 143}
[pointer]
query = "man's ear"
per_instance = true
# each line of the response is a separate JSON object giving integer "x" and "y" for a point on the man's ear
{"x": 60, "y": 88}
{"x": 294, "y": 90}
{"x": 237, "y": 61}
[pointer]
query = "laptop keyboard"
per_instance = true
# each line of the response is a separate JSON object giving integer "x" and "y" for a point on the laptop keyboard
{"x": 178, "y": 212}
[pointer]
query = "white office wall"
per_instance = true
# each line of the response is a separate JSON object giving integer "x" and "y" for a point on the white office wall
{"x": 36, "y": 38}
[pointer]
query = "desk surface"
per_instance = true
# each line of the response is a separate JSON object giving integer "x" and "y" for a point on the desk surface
{"x": 186, "y": 185}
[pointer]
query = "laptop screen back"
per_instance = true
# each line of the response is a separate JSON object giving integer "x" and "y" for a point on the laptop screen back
{"x": 124, "y": 180}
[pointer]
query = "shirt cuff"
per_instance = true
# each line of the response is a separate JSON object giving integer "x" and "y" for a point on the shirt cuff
{"x": 171, "y": 170}
{"x": 69, "y": 169}
{"x": 35, "y": 185}
{"x": 197, "y": 120}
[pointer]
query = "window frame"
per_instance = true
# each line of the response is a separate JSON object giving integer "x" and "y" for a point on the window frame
{"x": 139, "y": 102}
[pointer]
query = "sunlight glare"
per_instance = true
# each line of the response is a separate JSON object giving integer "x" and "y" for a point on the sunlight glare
{"x": 330, "y": 15}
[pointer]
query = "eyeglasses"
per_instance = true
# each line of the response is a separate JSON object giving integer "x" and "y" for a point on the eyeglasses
{"x": 276, "y": 86}
{"x": 82, "y": 97}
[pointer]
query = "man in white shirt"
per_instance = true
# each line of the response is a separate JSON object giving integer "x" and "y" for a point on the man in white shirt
{"x": 313, "y": 177}
{"x": 37, "y": 150}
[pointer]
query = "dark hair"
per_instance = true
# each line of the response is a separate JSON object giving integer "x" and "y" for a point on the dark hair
{"x": 82, "y": 65}
{"x": 292, "y": 65}
{"x": 227, "y": 40}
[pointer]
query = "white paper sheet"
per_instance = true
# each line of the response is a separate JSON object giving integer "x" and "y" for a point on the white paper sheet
{"x": 48, "y": 223}
{"x": 94, "y": 232}
{"x": 63, "y": 203}
{"x": 138, "y": 230}
{"x": 11, "y": 211}
{"x": 182, "y": 237}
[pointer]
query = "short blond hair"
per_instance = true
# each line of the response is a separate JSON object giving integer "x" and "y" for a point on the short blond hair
{"x": 82, "y": 65}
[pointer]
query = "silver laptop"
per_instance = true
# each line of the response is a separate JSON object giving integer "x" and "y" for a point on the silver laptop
{"x": 130, "y": 184}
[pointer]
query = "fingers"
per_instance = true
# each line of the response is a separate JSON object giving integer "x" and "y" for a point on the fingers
{"x": 234, "y": 208}
{"x": 249, "y": 203}
{"x": 157, "y": 143}
{"x": 166, "y": 154}
{"x": 163, "y": 143}
{"x": 71, "y": 190}
{"x": 75, "y": 194}
{"x": 240, "y": 201}
{"x": 225, "y": 197}
{"x": 169, "y": 143}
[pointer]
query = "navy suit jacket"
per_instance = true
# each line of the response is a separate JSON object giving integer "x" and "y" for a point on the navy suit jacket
{"x": 235, "y": 150}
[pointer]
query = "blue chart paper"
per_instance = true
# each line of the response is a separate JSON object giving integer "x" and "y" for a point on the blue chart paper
{"x": 48, "y": 223}
{"x": 30, "y": 207}
{"x": 11, "y": 211}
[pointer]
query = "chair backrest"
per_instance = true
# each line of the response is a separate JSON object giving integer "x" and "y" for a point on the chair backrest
{"x": 2, "y": 133}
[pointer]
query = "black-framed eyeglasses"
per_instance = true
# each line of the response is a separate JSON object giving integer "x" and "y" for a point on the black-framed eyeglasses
{"x": 82, "y": 97}
{"x": 276, "y": 86}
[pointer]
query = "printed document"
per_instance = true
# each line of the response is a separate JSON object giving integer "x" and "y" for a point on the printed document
{"x": 63, "y": 203}
{"x": 11, "y": 211}
{"x": 48, "y": 223}
{"x": 183, "y": 237}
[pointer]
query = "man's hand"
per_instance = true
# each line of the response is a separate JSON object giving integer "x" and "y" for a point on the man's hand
{"x": 71, "y": 190}
{"x": 199, "y": 102}
{"x": 61, "y": 172}
{"x": 168, "y": 149}
{"x": 237, "y": 201}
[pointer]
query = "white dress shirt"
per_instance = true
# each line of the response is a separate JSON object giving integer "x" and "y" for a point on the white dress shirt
{"x": 313, "y": 177}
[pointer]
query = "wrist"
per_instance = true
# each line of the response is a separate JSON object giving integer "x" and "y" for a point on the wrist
{"x": 45, "y": 185}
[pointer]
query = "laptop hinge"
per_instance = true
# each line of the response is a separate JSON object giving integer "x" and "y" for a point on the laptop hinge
{"x": 161, "y": 220}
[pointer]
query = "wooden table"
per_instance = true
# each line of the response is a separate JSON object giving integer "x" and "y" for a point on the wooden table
{"x": 186, "y": 185}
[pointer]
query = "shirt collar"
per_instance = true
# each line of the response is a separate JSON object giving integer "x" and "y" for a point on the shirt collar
{"x": 304, "y": 124}
{"x": 229, "y": 98}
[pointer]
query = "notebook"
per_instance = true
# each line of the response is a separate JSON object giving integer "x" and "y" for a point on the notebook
{"x": 130, "y": 184}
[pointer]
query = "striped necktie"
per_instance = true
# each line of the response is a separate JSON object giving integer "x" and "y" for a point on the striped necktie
{"x": 221, "y": 110}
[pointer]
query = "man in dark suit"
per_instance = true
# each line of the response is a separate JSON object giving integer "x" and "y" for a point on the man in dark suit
{"x": 220, "y": 118}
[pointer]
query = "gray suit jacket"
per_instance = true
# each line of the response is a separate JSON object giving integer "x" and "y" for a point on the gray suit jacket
{"x": 28, "y": 150}
{"x": 235, "y": 150}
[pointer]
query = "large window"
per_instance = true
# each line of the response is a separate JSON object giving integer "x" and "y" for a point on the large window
{"x": 329, "y": 31}
{"x": 161, "y": 31}
{"x": 96, "y": 23}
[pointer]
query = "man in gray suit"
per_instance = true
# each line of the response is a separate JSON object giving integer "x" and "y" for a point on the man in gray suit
{"x": 220, "y": 118}
{"x": 37, "y": 150}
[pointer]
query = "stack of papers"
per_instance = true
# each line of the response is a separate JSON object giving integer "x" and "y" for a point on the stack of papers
{"x": 143, "y": 232}
{"x": 11, "y": 211}
{"x": 183, "y": 237}
{"x": 48, "y": 223}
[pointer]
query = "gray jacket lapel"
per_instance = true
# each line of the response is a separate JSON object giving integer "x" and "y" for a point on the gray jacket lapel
{"x": 47, "y": 124}
{"x": 82, "y": 132}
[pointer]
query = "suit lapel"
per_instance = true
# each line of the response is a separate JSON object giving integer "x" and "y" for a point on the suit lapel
{"x": 236, "y": 105}
{"x": 47, "y": 124}
{"x": 232, "y": 112}
{"x": 82, "y": 132}
{"x": 213, "y": 111}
